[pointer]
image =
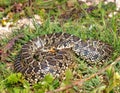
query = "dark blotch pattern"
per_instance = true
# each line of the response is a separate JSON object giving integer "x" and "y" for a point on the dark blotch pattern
{"x": 29, "y": 70}
{"x": 51, "y": 61}
{"x": 43, "y": 65}
{"x": 36, "y": 69}
{"x": 35, "y": 61}
{"x": 66, "y": 35}
{"x": 75, "y": 38}
{"x": 60, "y": 57}
{"x": 60, "y": 64}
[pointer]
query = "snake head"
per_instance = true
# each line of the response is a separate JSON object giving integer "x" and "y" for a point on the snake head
{"x": 52, "y": 50}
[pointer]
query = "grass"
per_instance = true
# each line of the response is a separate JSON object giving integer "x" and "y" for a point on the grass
{"x": 94, "y": 25}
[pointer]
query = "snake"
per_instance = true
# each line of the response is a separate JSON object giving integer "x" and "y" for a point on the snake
{"x": 55, "y": 53}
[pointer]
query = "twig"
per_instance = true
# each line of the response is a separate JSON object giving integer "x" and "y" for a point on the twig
{"x": 9, "y": 46}
{"x": 81, "y": 81}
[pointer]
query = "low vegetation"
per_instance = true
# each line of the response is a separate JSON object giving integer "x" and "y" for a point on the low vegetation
{"x": 86, "y": 22}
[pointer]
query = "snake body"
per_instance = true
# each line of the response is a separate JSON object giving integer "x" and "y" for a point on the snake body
{"x": 54, "y": 53}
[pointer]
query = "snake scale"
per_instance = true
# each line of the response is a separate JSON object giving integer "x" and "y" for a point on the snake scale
{"x": 54, "y": 53}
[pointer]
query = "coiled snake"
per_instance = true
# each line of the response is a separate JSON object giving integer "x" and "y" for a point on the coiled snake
{"x": 54, "y": 53}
